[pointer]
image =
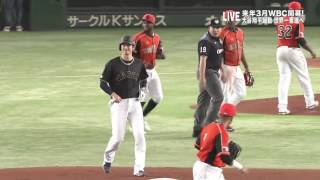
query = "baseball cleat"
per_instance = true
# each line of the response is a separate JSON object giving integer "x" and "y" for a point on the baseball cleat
{"x": 314, "y": 106}
{"x": 106, "y": 167}
{"x": 139, "y": 174}
{"x": 19, "y": 28}
{"x": 284, "y": 112}
{"x": 147, "y": 126}
{"x": 6, "y": 29}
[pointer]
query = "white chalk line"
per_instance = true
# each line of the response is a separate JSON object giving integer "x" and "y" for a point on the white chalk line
{"x": 98, "y": 75}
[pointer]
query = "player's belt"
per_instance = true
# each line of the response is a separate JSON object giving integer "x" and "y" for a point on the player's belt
{"x": 289, "y": 46}
{"x": 149, "y": 66}
{"x": 231, "y": 64}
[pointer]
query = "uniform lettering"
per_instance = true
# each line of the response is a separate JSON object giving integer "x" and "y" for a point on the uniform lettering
{"x": 205, "y": 137}
{"x": 285, "y": 32}
{"x": 127, "y": 75}
{"x": 203, "y": 49}
{"x": 219, "y": 51}
{"x": 149, "y": 49}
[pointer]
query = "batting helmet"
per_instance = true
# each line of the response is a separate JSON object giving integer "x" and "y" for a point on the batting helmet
{"x": 149, "y": 18}
{"x": 294, "y": 5}
{"x": 228, "y": 110}
{"x": 126, "y": 40}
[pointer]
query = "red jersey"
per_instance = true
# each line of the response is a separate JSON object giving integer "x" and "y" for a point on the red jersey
{"x": 212, "y": 143}
{"x": 289, "y": 32}
{"x": 232, "y": 45}
{"x": 146, "y": 48}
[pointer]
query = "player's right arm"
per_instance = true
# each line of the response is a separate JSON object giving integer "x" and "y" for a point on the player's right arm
{"x": 104, "y": 83}
{"x": 137, "y": 40}
{"x": 136, "y": 51}
{"x": 203, "y": 48}
{"x": 202, "y": 72}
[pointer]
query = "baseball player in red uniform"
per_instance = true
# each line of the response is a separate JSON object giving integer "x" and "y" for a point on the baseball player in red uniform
{"x": 213, "y": 148}
{"x": 291, "y": 58}
{"x": 148, "y": 49}
{"x": 234, "y": 86}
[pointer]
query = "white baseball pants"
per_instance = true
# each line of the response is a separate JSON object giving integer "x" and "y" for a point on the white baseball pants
{"x": 153, "y": 86}
{"x": 288, "y": 60}
{"x": 234, "y": 89}
{"x": 128, "y": 109}
{"x": 203, "y": 171}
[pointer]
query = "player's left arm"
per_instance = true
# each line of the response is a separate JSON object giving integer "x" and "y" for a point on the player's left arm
{"x": 229, "y": 158}
{"x": 302, "y": 41}
{"x": 243, "y": 58}
{"x": 160, "y": 51}
{"x": 244, "y": 62}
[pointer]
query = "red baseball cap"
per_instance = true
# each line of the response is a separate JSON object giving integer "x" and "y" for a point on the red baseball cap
{"x": 294, "y": 5}
{"x": 149, "y": 18}
{"x": 228, "y": 110}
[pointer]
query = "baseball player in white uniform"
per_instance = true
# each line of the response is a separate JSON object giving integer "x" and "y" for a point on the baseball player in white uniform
{"x": 291, "y": 58}
{"x": 122, "y": 78}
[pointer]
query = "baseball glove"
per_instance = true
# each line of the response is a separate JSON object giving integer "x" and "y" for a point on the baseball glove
{"x": 234, "y": 149}
{"x": 248, "y": 78}
{"x": 160, "y": 53}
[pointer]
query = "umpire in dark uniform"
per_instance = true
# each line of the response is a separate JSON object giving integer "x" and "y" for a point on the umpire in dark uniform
{"x": 122, "y": 79}
{"x": 210, "y": 51}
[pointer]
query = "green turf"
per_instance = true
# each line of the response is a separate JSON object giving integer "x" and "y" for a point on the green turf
{"x": 52, "y": 112}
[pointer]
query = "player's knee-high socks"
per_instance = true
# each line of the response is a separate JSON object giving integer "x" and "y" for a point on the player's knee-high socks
{"x": 150, "y": 106}
{"x": 142, "y": 104}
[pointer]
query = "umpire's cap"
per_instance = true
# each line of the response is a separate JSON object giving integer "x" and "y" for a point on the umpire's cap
{"x": 215, "y": 23}
{"x": 126, "y": 40}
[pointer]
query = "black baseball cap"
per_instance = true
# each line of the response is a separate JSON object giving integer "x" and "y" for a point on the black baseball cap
{"x": 126, "y": 40}
{"x": 215, "y": 23}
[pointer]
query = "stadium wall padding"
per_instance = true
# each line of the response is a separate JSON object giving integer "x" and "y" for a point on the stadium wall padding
{"x": 47, "y": 14}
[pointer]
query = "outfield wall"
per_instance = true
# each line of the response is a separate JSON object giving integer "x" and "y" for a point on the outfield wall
{"x": 60, "y": 14}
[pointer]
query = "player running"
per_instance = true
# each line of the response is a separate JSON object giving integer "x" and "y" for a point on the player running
{"x": 121, "y": 79}
{"x": 213, "y": 146}
{"x": 291, "y": 58}
{"x": 148, "y": 49}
